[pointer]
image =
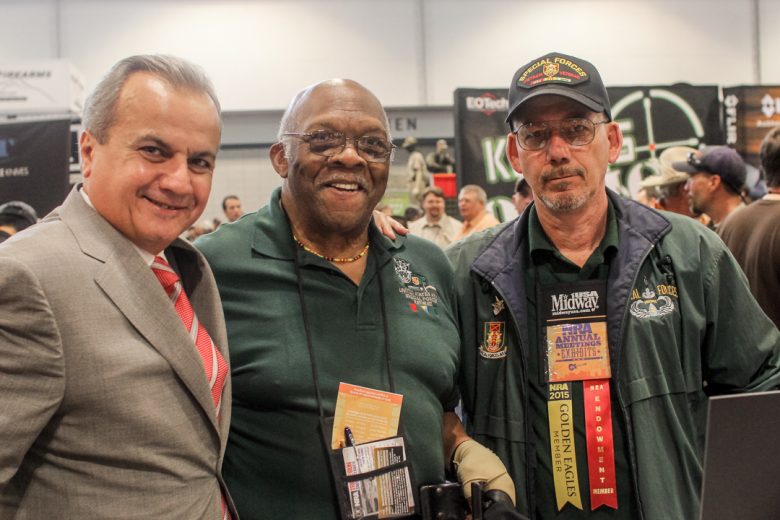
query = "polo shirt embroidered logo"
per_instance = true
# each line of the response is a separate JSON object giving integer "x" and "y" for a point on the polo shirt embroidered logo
{"x": 402, "y": 269}
{"x": 415, "y": 287}
{"x": 493, "y": 344}
{"x": 653, "y": 303}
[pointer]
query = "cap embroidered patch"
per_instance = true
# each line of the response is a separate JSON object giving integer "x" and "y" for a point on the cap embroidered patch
{"x": 552, "y": 69}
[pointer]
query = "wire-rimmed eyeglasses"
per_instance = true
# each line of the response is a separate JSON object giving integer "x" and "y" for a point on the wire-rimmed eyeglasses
{"x": 328, "y": 143}
{"x": 577, "y": 131}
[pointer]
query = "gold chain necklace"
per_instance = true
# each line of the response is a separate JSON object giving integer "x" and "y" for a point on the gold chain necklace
{"x": 332, "y": 258}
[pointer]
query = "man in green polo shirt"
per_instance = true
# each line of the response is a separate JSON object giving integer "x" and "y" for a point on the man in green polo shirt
{"x": 315, "y": 296}
{"x": 594, "y": 329}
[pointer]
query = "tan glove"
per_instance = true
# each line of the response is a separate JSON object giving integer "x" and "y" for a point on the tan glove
{"x": 476, "y": 463}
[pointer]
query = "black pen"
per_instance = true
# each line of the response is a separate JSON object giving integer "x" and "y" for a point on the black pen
{"x": 350, "y": 439}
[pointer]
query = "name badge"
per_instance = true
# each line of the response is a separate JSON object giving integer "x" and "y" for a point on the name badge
{"x": 574, "y": 318}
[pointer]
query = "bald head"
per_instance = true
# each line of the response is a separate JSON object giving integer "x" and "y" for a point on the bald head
{"x": 363, "y": 100}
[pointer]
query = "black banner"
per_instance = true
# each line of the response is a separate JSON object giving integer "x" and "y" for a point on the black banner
{"x": 656, "y": 118}
{"x": 750, "y": 112}
{"x": 480, "y": 143}
{"x": 34, "y": 157}
{"x": 652, "y": 118}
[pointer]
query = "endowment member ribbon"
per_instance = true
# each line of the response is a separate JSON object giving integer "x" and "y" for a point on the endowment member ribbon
{"x": 562, "y": 446}
{"x": 601, "y": 450}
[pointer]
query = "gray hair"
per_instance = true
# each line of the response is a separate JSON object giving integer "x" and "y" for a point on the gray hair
{"x": 100, "y": 105}
{"x": 666, "y": 191}
{"x": 290, "y": 119}
{"x": 476, "y": 190}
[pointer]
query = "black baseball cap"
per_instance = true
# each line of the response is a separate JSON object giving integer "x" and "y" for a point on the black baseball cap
{"x": 722, "y": 161}
{"x": 23, "y": 212}
{"x": 561, "y": 75}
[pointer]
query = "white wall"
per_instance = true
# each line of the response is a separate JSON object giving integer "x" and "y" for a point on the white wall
{"x": 409, "y": 52}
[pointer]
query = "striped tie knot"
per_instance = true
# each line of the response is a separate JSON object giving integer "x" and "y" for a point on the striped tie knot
{"x": 162, "y": 270}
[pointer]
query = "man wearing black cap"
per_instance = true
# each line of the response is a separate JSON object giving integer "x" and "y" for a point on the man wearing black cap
{"x": 14, "y": 217}
{"x": 753, "y": 234}
{"x": 593, "y": 328}
{"x": 717, "y": 176}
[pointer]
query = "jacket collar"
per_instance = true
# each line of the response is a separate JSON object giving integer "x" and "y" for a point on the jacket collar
{"x": 635, "y": 221}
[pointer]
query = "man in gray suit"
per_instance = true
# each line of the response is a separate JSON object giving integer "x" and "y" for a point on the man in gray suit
{"x": 113, "y": 373}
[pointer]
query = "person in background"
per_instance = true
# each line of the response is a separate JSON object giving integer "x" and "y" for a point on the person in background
{"x": 668, "y": 189}
{"x": 435, "y": 225}
{"x": 440, "y": 160}
{"x": 113, "y": 350}
{"x": 753, "y": 234}
{"x": 15, "y": 216}
{"x": 418, "y": 177}
{"x": 594, "y": 329}
{"x": 315, "y": 296}
{"x": 231, "y": 206}
{"x": 472, "y": 200}
{"x": 647, "y": 196}
{"x": 522, "y": 196}
{"x": 717, "y": 177}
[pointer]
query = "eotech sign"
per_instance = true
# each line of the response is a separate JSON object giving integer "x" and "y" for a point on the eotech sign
{"x": 487, "y": 103}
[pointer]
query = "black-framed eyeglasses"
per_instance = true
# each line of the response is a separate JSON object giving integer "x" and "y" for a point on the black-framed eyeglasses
{"x": 577, "y": 131}
{"x": 328, "y": 143}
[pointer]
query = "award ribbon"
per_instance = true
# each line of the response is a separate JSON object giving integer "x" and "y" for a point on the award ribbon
{"x": 601, "y": 449}
{"x": 562, "y": 446}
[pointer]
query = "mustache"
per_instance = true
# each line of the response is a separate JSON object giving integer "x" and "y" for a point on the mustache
{"x": 561, "y": 172}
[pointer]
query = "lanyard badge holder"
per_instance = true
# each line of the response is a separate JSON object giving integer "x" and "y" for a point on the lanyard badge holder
{"x": 374, "y": 479}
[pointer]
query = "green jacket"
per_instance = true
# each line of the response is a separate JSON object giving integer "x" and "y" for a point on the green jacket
{"x": 682, "y": 325}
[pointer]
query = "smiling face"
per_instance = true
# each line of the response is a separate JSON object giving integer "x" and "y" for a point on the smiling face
{"x": 151, "y": 177}
{"x": 565, "y": 177}
{"x": 335, "y": 195}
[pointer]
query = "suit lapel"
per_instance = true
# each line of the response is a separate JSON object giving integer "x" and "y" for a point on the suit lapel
{"x": 130, "y": 284}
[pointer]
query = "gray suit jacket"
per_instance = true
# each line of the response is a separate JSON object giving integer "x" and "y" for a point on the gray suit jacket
{"x": 105, "y": 411}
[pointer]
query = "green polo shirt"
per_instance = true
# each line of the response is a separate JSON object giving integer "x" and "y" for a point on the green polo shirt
{"x": 275, "y": 463}
{"x": 549, "y": 266}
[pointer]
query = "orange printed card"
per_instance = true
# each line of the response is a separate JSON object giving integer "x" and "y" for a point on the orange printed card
{"x": 370, "y": 414}
{"x": 577, "y": 351}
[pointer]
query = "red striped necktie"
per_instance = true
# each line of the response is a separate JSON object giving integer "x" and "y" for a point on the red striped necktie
{"x": 214, "y": 364}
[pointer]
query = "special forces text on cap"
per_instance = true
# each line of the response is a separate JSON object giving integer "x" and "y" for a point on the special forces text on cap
{"x": 560, "y": 75}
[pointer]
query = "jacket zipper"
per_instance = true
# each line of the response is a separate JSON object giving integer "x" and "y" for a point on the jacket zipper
{"x": 621, "y": 400}
{"x": 526, "y": 406}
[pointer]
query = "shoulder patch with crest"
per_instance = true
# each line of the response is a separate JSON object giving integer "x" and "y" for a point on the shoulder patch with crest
{"x": 653, "y": 302}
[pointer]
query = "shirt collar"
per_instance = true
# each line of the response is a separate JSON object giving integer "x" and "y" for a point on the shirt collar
{"x": 273, "y": 235}
{"x": 145, "y": 255}
{"x": 538, "y": 240}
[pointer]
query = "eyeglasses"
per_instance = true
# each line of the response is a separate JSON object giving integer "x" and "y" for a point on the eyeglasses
{"x": 577, "y": 131}
{"x": 327, "y": 143}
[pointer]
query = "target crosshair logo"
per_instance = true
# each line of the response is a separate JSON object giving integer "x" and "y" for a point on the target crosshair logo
{"x": 631, "y": 176}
